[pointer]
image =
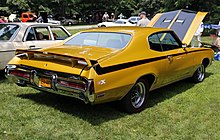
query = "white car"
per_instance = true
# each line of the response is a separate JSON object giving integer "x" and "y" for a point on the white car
{"x": 53, "y": 21}
{"x": 134, "y": 19}
{"x": 119, "y": 22}
{"x": 27, "y": 36}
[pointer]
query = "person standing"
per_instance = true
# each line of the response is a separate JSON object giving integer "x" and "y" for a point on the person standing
{"x": 105, "y": 17}
{"x": 217, "y": 41}
{"x": 143, "y": 22}
{"x": 112, "y": 16}
{"x": 198, "y": 35}
{"x": 2, "y": 19}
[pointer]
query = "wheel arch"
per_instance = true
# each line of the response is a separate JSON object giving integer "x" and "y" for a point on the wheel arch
{"x": 206, "y": 62}
{"x": 151, "y": 78}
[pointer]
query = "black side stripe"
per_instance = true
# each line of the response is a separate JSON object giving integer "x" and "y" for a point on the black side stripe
{"x": 99, "y": 70}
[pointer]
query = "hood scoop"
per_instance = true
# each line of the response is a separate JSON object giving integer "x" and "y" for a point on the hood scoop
{"x": 183, "y": 22}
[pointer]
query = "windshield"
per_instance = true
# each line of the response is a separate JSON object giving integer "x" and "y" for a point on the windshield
{"x": 7, "y": 31}
{"x": 100, "y": 39}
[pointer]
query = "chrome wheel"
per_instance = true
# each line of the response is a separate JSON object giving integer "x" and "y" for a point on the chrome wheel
{"x": 136, "y": 99}
{"x": 201, "y": 73}
{"x": 138, "y": 95}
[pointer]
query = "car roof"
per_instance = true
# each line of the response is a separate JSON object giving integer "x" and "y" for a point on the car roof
{"x": 128, "y": 30}
{"x": 26, "y": 24}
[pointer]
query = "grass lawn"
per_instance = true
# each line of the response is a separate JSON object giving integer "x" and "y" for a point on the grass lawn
{"x": 180, "y": 111}
{"x": 74, "y": 31}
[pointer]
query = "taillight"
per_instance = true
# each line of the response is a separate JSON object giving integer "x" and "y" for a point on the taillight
{"x": 79, "y": 86}
{"x": 91, "y": 87}
{"x": 19, "y": 73}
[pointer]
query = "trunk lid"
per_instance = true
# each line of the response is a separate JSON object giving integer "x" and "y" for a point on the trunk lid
{"x": 86, "y": 52}
{"x": 67, "y": 59}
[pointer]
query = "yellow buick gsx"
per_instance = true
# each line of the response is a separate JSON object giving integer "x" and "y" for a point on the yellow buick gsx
{"x": 118, "y": 63}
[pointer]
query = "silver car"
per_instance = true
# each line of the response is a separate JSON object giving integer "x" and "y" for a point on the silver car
{"x": 27, "y": 36}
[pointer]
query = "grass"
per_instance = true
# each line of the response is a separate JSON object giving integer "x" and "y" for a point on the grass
{"x": 182, "y": 110}
{"x": 74, "y": 31}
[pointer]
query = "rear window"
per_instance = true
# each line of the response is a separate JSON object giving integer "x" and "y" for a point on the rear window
{"x": 7, "y": 31}
{"x": 100, "y": 39}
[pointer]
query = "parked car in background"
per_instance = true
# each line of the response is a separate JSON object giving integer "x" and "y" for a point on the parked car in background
{"x": 28, "y": 17}
{"x": 119, "y": 22}
{"x": 134, "y": 19}
{"x": 69, "y": 22}
{"x": 48, "y": 20}
{"x": 27, "y": 36}
{"x": 53, "y": 21}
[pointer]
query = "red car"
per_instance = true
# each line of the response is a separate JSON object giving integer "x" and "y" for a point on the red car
{"x": 28, "y": 16}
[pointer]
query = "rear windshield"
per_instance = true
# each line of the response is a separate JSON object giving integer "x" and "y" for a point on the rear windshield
{"x": 7, "y": 31}
{"x": 100, "y": 39}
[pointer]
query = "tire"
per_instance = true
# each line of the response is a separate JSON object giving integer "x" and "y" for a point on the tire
{"x": 102, "y": 26}
{"x": 136, "y": 99}
{"x": 199, "y": 74}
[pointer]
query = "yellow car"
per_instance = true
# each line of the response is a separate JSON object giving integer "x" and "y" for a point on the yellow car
{"x": 108, "y": 64}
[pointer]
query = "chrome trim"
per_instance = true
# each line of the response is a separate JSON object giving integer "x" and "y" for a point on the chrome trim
{"x": 54, "y": 81}
{"x": 35, "y": 75}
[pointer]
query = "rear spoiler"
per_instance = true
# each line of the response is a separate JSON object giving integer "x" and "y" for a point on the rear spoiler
{"x": 34, "y": 54}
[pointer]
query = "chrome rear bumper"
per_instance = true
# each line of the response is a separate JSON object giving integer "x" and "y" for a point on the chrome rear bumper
{"x": 59, "y": 83}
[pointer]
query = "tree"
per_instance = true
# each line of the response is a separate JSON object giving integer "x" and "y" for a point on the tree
{"x": 127, "y": 7}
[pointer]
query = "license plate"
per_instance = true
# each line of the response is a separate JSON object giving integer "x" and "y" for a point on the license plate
{"x": 45, "y": 82}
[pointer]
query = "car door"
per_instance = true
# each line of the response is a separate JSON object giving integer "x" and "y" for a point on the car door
{"x": 175, "y": 60}
{"x": 178, "y": 61}
{"x": 38, "y": 37}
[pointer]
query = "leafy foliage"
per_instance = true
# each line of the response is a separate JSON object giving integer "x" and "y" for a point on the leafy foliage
{"x": 127, "y": 7}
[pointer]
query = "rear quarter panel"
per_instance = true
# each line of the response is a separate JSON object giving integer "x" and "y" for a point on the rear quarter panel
{"x": 198, "y": 55}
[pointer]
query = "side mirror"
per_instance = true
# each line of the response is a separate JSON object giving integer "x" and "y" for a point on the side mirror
{"x": 184, "y": 45}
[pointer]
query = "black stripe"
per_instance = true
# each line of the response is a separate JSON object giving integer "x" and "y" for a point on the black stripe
{"x": 99, "y": 70}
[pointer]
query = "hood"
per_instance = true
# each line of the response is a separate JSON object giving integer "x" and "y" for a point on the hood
{"x": 184, "y": 22}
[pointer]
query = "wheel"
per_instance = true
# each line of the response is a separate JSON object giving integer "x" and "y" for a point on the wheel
{"x": 136, "y": 99}
{"x": 103, "y": 26}
{"x": 69, "y": 23}
{"x": 199, "y": 74}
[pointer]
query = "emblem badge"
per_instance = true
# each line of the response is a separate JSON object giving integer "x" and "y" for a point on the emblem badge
{"x": 102, "y": 82}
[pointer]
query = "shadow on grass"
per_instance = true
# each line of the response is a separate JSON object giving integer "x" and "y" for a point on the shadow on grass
{"x": 2, "y": 76}
{"x": 95, "y": 115}
{"x": 101, "y": 113}
{"x": 167, "y": 92}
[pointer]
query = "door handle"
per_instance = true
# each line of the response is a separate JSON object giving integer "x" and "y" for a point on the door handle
{"x": 170, "y": 58}
{"x": 32, "y": 47}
